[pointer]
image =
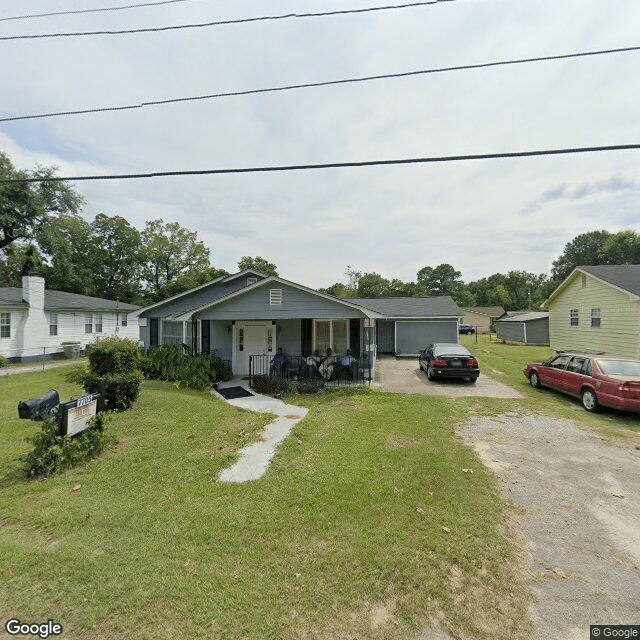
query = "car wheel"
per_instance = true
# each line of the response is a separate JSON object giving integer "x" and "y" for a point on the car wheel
{"x": 430, "y": 375}
{"x": 534, "y": 380}
{"x": 589, "y": 400}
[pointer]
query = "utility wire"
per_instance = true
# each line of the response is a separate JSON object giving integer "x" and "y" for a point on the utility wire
{"x": 78, "y": 11}
{"x": 326, "y": 83}
{"x": 334, "y": 165}
{"x": 218, "y": 23}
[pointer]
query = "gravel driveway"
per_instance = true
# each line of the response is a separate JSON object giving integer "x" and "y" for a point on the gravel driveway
{"x": 580, "y": 495}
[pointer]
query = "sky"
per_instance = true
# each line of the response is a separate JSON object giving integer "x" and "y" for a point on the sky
{"x": 482, "y": 216}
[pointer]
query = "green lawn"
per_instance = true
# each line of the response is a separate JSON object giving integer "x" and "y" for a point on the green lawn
{"x": 365, "y": 526}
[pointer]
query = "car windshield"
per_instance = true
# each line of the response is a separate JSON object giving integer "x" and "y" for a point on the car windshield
{"x": 450, "y": 350}
{"x": 619, "y": 367}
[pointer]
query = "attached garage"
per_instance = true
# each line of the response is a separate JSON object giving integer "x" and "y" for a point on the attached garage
{"x": 412, "y": 324}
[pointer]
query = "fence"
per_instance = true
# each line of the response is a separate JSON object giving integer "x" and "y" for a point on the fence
{"x": 332, "y": 372}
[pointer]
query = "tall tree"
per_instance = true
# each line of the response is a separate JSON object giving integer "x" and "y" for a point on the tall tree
{"x": 115, "y": 258}
{"x": 19, "y": 260}
{"x": 68, "y": 243}
{"x": 585, "y": 249}
{"x": 26, "y": 206}
{"x": 169, "y": 251}
{"x": 258, "y": 264}
{"x": 442, "y": 280}
{"x": 623, "y": 248}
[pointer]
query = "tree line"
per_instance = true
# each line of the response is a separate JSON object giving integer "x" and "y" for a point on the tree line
{"x": 43, "y": 233}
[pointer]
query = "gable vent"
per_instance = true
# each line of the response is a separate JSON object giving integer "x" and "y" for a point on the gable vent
{"x": 275, "y": 296}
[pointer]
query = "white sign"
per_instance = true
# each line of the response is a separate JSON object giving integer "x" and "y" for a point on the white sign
{"x": 77, "y": 417}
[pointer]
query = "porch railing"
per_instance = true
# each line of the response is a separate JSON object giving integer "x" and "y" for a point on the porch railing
{"x": 334, "y": 372}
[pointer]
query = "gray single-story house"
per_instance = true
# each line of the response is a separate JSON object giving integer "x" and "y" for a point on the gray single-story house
{"x": 531, "y": 327}
{"x": 250, "y": 314}
{"x": 36, "y": 322}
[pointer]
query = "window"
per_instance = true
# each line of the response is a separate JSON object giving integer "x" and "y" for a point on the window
{"x": 251, "y": 281}
{"x": 53, "y": 324}
{"x": 98, "y": 323}
{"x": 172, "y": 333}
{"x": 124, "y": 320}
{"x": 576, "y": 365}
{"x": 584, "y": 280}
{"x": 596, "y": 317}
{"x": 5, "y": 325}
{"x": 275, "y": 296}
{"x": 88, "y": 323}
{"x": 560, "y": 362}
{"x": 332, "y": 334}
{"x": 574, "y": 317}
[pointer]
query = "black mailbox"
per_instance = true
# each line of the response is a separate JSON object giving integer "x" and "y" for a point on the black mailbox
{"x": 38, "y": 408}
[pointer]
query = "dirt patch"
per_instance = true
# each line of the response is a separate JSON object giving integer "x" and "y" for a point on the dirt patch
{"x": 579, "y": 502}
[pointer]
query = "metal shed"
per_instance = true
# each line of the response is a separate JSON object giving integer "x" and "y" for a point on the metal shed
{"x": 528, "y": 328}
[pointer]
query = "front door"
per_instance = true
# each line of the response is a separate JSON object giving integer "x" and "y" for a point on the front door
{"x": 253, "y": 340}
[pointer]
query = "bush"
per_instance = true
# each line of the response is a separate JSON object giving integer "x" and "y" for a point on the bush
{"x": 54, "y": 453}
{"x": 113, "y": 355}
{"x": 113, "y": 365}
{"x": 194, "y": 371}
{"x": 3, "y": 361}
{"x": 120, "y": 390}
{"x": 269, "y": 386}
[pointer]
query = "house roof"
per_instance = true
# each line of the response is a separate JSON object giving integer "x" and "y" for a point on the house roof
{"x": 217, "y": 292}
{"x": 226, "y": 295}
{"x": 61, "y": 300}
{"x": 418, "y": 307}
{"x": 625, "y": 277}
{"x": 524, "y": 317}
{"x": 492, "y": 312}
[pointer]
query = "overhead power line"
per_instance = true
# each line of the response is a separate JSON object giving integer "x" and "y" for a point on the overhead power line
{"x": 78, "y": 11}
{"x": 334, "y": 165}
{"x": 218, "y": 23}
{"x": 326, "y": 83}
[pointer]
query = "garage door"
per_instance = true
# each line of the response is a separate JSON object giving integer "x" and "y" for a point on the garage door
{"x": 414, "y": 335}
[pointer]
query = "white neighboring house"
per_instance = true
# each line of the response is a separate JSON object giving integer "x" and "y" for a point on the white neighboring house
{"x": 36, "y": 322}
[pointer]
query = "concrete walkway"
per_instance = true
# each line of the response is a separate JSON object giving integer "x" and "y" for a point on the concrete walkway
{"x": 255, "y": 458}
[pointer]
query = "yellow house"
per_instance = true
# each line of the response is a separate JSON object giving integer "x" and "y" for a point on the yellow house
{"x": 597, "y": 309}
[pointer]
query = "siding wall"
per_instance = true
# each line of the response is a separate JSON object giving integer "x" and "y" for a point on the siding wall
{"x": 37, "y": 342}
{"x": 512, "y": 331}
{"x": 481, "y": 322}
{"x": 255, "y": 305}
{"x": 529, "y": 332}
{"x": 619, "y": 333}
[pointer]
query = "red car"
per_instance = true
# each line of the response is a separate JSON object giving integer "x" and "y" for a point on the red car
{"x": 598, "y": 380}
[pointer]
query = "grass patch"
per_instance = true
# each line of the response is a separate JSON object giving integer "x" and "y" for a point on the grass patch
{"x": 505, "y": 362}
{"x": 365, "y": 526}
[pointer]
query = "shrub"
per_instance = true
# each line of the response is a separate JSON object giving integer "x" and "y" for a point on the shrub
{"x": 120, "y": 390}
{"x": 113, "y": 365}
{"x": 269, "y": 386}
{"x": 3, "y": 361}
{"x": 113, "y": 355}
{"x": 54, "y": 453}
{"x": 194, "y": 371}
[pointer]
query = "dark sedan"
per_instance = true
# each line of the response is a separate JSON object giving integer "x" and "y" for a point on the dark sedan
{"x": 466, "y": 329}
{"x": 448, "y": 360}
{"x": 595, "y": 380}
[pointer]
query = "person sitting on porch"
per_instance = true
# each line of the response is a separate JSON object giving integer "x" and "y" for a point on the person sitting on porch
{"x": 310, "y": 365}
{"x": 326, "y": 368}
{"x": 349, "y": 365}
{"x": 278, "y": 363}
